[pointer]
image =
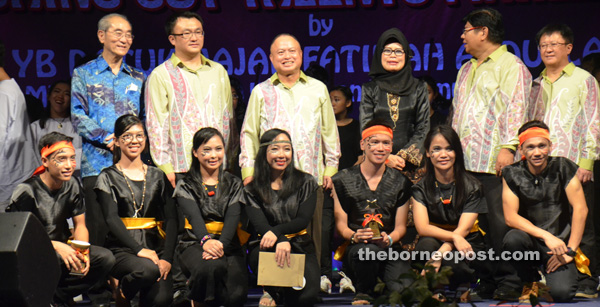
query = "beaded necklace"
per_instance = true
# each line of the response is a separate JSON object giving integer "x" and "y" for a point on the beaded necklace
{"x": 210, "y": 193}
{"x": 135, "y": 207}
{"x": 445, "y": 201}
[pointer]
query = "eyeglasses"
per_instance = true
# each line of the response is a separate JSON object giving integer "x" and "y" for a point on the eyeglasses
{"x": 118, "y": 34}
{"x": 397, "y": 52}
{"x": 188, "y": 34}
{"x": 128, "y": 138}
{"x": 470, "y": 29}
{"x": 553, "y": 45}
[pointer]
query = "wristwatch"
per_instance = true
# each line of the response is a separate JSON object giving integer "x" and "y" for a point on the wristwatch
{"x": 570, "y": 252}
{"x": 352, "y": 238}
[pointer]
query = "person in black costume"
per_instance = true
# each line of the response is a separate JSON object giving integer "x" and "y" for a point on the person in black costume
{"x": 446, "y": 205}
{"x": 394, "y": 94}
{"x": 141, "y": 216}
{"x": 372, "y": 190}
{"x": 53, "y": 197}
{"x": 211, "y": 254}
{"x": 545, "y": 206}
{"x": 280, "y": 203}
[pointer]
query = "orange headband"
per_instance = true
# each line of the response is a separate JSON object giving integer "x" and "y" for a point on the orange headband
{"x": 533, "y": 132}
{"x": 377, "y": 129}
{"x": 48, "y": 150}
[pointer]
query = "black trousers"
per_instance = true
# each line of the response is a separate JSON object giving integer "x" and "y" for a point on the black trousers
{"x": 94, "y": 218}
{"x": 463, "y": 271}
{"x": 494, "y": 225}
{"x": 361, "y": 263}
{"x": 562, "y": 282}
{"x": 94, "y": 282}
{"x": 328, "y": 223}
{"x": 288, "y": 296}
{"x": 587, "y": 244}
{"x": 137, "y": 274}
{"x": 217, "y": 282}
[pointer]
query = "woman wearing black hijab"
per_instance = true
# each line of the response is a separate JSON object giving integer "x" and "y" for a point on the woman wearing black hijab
{"x": 394, "y": 95}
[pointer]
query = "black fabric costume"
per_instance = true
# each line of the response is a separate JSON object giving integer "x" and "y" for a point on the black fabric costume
{"x": 409, "y": 116}
{"x": 450, "y": 215}
{"x": 393, "y": 191}
{"x": 53, "y": 208}
{"x": 349, "y": 143}
{"x": 543, "y": 201}
{"x": 284, "y": 217}
{"x": 220, "y": 281}
{"x": 137, "y": 274}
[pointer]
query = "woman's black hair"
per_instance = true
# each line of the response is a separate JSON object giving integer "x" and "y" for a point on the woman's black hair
{"x": 261, "y": 184}
{"x": 46, "y": 114}
{"x": 194, "y": 175}
{"x": 122, "y": 124}
{"x": 462, "y": 179}
{"x": 347, "y": 93}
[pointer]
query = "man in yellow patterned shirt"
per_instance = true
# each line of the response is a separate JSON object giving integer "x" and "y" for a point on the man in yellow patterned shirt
{"x": 567, "y": 99}
{"x": 490, "y": 104}
{"x": 185, "y": 93}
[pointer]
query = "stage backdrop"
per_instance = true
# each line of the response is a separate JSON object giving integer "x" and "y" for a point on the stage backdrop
{"x": 45, "y": 39}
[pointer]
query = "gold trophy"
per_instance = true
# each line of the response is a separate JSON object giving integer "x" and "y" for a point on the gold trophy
{"x": 373, "y": 220}
{"x": 83, "y": 248}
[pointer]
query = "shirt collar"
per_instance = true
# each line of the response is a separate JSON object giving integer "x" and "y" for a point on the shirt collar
{"x": 569, "y": 69}
{"x": 177, "y": 61}
{"x": 103, "y": 65}
{"x": 275, "y": 78}
{"x": 494, "y": 56}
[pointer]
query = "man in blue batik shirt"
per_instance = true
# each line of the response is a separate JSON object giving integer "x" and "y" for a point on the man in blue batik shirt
{"x": 102, "y": 90}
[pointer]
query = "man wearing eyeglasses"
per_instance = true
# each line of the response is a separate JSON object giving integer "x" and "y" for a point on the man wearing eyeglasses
{"x": 567, "y": 99}
{"x": 490, "y": 103}
{"x": 101, "y": 91}
{"x": 185, "y": 93}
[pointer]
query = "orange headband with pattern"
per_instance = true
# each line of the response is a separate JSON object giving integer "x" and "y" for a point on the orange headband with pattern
{"x": 377, "y": 129}
{"x": 48, "y": 150}
{"x": 533, "y": 132}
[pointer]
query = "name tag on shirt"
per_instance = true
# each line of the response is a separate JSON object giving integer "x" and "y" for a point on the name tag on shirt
{"x": 131, "y": 88}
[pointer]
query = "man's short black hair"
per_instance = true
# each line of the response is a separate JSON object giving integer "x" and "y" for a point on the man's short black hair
{"x": 377, "y": 121}
{"x": 53, "y": 138}
{"x": 172, "y": 20}
{"x": 532, "y": 124}
{"x": 560, "y": 28}
{"x": 490, "y": 18}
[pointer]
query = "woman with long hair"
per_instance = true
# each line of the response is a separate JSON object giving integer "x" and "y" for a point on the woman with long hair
{"x": 57, "y": 117}
{"x": 210, "y": 199}
{"x": 280, "y": 203}
{"x": 141, "y": 217}
{"x": 446, "y": 205}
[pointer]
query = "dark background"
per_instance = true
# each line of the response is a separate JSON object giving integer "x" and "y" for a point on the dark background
{"x": 45, "y": 39}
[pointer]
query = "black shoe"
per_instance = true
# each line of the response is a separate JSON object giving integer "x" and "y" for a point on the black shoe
{"x": 586, "y": 292}
{"x": 482, "y": 292}
{"x": 506, "y": 294}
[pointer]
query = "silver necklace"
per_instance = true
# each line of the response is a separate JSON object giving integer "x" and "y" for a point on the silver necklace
{"x": 135, "y": 207}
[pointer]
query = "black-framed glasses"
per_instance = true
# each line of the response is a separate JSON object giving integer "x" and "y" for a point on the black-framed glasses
{"x": 397, "y": 52}
{"x": 553, "y": 45}
{"x": 128, "y": 137}
{"x": 188, "y": 34}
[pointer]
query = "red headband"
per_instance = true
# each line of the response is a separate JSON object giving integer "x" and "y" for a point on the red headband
{"x": 48, "y": 150}
{"x": 377, "y": 129}
{"x": 533, "y": 132}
